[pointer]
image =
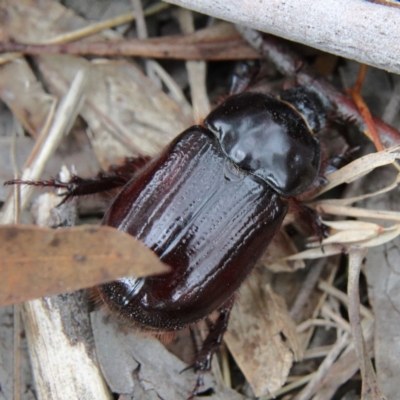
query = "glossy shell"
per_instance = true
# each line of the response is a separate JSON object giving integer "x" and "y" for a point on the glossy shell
{"x": 268, "y": 138}
{"x": 208, "y": 219}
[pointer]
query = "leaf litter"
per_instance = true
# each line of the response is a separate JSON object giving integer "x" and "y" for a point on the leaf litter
{"x": 126, "y": 114}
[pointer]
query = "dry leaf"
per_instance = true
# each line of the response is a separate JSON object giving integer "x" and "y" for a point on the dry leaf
{"x": 281, "y": 246}
{"x": 139, "y": 366}
{"x": 257, "y": 319}
{"x": 126, "y": 113}
{"x": 37, "y": 262}
{"x": 24, "y": 95}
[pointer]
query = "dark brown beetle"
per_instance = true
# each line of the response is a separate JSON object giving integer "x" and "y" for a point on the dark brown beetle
{"x": 209, "y": 205}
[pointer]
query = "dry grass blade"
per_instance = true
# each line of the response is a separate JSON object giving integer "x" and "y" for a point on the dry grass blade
{"x": 48, "y": 141}
{"x": 351, "y": 200}
{"x": 323, "y": 369}
{"x": 370, "y": 389}
{"x": 360, "y": 167}
{"x": 100, "y": 26}
{"x": 359, "y": 212}
{"x": 37, "y": 262}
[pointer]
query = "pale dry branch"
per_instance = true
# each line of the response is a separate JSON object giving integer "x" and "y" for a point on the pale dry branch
{"x": 370, "y": 388}
{"x": 354, "y": 29}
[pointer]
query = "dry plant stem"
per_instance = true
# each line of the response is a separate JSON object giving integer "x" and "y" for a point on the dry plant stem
{"x": 60, "y": 341}
{"x": 44, "y": 148}
{"x": 358, "y": 168}
{"x": 393, "y": 106}
{"x": 370, "y": 389}
{"x": 291, "y": 386}
{"x": 347, "y": 199}
{"x": 354, "y": 29}
{"x": 142, "y": 34}
{"x": 316, "y": 322}
{"x": 334, "y": 316}
{"x": 291, "y": 64}
{"x": 175, "y": 92}
{"x": 359, "y": 212}
{"x": 196, "y": 72}
{"x": 306, "y": 289}
{"x": 16, "y": 307}
{"x": 17, "y": 351}
{"x": 168, "y": 47}
{"x": 62, "y": 365}
{"x": 372, "y": 133}
{"x": 323, "y": 369}
{"x": 226, "y": 372}
{"x": 90, "y": 30}
{"x": 317, "y": 352}
{"x": 8, "y": 57}
{"x": 343, "y": 298}
{"x": 345, "y": 367}
{"x": 308, "y": 335}
{"x": 97, "y": 27}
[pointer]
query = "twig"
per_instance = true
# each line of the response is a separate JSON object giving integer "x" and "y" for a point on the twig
{"x": 370, "y": 388}
{"x": 342, "y": 323}
{"x": 141, "y": 29}
{"x": 196, "y": 72}
{"x": 392, "y": 108}
{"x": 307, "y": 287}
{"x": 291, "y": 386}
{"x": 167, "y": 47}
{"x": 372, "y": 133}
{"x": 323, "y": 369}
{"x": 354, "y": 29}
{"x": 326, "y": 287}
{"x": 46, "y": 145}
{"x": 16, "y": 307}
{"x": 316, "y": 322}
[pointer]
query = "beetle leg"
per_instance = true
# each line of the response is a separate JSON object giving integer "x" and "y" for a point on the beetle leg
{"x": 130, "y": 166}
{"x": 210, "y": 345}
{"x": 214, "y": 338}
{"x": 116, "y": 177}
{"x": 309, "y": 219}
{"x": 244, "y": 76}
{"x": 340, "y": 160}
{"x": 77, "y": 186}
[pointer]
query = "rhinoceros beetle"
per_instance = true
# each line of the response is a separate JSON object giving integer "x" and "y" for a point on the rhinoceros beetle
{"x": 209, "y": 206}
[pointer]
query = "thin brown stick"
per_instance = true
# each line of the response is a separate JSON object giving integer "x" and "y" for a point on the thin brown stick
{"x": 372, "y": 132}
{"x": 168, "y": 47}
{"x": 370, "y": 387}
{"x": 312, "y": 386}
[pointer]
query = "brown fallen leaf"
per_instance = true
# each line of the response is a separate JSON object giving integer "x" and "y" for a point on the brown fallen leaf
{"x": 37, "y": 262}
{"x": 258, "y": 319}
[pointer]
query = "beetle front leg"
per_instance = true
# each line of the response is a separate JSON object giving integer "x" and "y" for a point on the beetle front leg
{"x": 77, "y": 186}
{"x": 117, "y": 176}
